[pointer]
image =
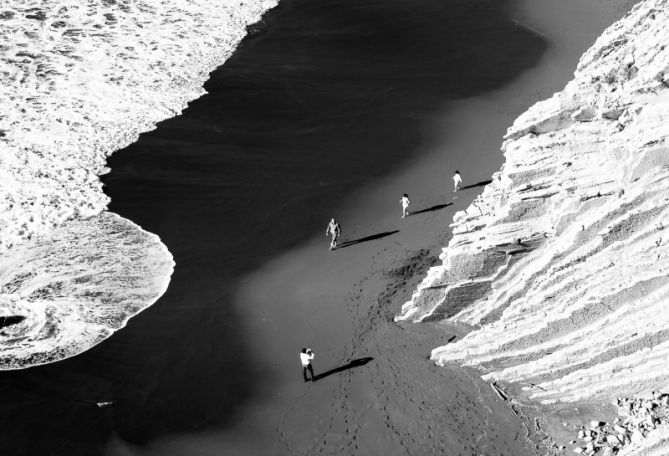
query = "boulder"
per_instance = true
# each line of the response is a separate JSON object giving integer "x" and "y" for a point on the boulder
{"x": 613, "y": 113}
{"x": 613, "y": 440}
{"x": 619, "y": 429}
{"x": 585, "y": 114}
{"x": 651, "y": 422}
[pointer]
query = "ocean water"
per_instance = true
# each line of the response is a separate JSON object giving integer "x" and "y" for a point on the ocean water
{"x": 80, "y": 79}
{"x": 321, "y": 98}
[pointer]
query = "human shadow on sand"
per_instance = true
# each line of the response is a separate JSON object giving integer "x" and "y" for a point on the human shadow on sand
{"x": 352, "y": 364}
{"x": 367, "y": 238}
{"x": 431, "y": 209}
{"x": 478, "y": 184}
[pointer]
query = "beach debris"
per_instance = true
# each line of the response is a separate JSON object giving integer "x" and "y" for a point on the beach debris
{"x": 637, "y": 417}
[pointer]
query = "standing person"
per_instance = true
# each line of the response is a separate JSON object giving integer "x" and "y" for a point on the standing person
{"x": 405, "y": 205}
{"x": 334, "y": 230}
{"x": 306, "y": 356}
{"x": 457, "y": 180}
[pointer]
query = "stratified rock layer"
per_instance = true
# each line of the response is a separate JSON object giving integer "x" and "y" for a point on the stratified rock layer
{"x": 79, "y": 80}
{"x": 563, "y": 261}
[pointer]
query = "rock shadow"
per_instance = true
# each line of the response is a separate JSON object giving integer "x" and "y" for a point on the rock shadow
{"x": 11, "y": 320}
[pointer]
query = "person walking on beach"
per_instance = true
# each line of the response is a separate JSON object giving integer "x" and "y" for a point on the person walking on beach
{"x": 457, "y": 180}
{"x": 306, "y": 356}
{"x": 405, "y": 205}
{"x": 334, "y": 230}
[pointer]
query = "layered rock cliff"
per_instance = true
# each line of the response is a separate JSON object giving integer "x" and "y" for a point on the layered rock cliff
{"x": 79, "y": 80}
{"x": 561, "y": 265}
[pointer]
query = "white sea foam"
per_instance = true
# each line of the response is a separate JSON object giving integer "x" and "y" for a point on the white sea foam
{"x": 77, "y": 286}
{"x": 79, "y": 80}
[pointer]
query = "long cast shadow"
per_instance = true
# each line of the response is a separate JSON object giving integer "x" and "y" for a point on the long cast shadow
{"x": 478, "y": 184}
{"x": 352, "y": 364}
{"x": 367, "y": 238}
{"x": 431, "y": 209}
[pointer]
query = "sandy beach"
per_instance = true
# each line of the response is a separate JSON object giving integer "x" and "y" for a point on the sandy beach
{"x": 342, "y": 303}
{"x": 234, "y": 387}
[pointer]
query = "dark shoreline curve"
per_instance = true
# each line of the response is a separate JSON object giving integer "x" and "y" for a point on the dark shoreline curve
{"x": 325, "y": 98}
{"x": 321, "y": 100}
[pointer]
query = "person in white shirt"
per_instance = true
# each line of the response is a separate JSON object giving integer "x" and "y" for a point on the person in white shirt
{"x": 334, "y": 230}
{"x": 457, "y": 180}
{"x": 306, "y": 356}
{"x": 405, "y": 205}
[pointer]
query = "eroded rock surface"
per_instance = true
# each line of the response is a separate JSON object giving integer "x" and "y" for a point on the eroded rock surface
{"x": 563, "y": 260}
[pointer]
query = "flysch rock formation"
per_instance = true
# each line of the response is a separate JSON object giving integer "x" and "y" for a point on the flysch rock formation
{"x": 562, "y": 264}
{"x": 79, "y": 80}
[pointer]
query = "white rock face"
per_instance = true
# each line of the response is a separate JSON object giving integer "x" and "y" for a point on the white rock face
{"x": 79, "y": 80}
{"x": 563, "y": 260}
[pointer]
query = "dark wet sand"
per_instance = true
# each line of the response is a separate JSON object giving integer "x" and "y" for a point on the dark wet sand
{"x": 329, "y": 108}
